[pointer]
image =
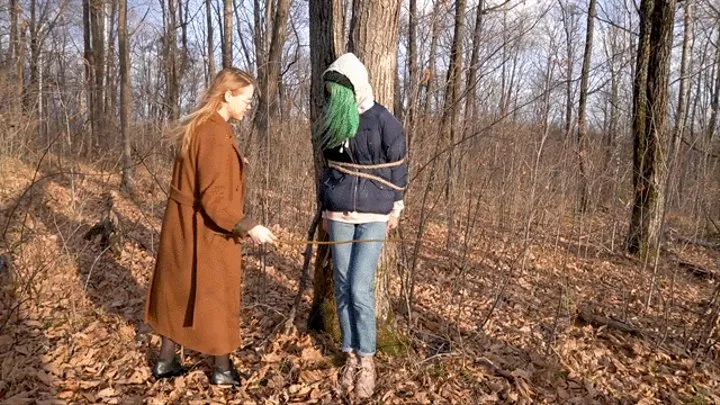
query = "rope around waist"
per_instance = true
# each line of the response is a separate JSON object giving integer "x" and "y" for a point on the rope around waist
{"x": 352, "y": 169}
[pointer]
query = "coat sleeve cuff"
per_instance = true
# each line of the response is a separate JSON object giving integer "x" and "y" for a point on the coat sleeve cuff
{"x": 398, "y": 207}
{"x": 244, "y": 226}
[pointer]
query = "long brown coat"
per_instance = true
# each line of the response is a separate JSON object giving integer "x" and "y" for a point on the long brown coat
{"x": 195, "y": 292}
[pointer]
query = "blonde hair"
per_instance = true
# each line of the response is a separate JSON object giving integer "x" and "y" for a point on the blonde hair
{"x": 228, "y": 79}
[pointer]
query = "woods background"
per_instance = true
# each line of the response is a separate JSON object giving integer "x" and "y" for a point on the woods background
{"x": 563, "y": 168}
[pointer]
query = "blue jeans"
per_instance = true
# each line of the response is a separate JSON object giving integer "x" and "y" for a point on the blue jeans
{"x": 354, "y": 274}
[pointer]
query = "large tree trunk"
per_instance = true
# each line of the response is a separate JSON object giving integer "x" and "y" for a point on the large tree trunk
{"x": 326, "y": 44}
{"x": 227, "y": 53}
{"x": 127, "y": 172}
{"x": 374, "y": 39}
{"x": 650, "y": 133}
{"x": 582, "y": 128}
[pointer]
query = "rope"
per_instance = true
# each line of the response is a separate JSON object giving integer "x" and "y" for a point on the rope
{"x": 346, "y": 168}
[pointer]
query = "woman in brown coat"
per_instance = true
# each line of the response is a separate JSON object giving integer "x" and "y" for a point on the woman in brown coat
{"x": 194, "y": 296}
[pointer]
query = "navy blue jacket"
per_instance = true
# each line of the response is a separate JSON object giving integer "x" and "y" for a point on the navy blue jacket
{"x": 380, "y": 139}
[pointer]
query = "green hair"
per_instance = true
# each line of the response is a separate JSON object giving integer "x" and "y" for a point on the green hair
{"x": 340, "y": 118}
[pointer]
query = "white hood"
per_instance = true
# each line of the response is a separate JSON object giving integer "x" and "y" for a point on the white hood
{"x": 351, "y": 67}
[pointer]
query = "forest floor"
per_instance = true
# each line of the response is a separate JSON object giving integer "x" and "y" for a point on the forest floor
{"x": 489, "y": 329}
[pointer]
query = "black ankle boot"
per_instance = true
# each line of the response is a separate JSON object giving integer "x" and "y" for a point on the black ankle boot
{"x": 168, "y": 368}
{"x": 228, "y": 377}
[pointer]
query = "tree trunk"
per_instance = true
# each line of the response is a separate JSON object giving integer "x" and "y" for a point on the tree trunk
{"x": 87, "y": 50}
{"x": 111, "y": 70}
{"x": 210, "y": 42}
{"x": 172, "y": 96}
{"x": 651, "y": 144}
{"x": 227, "y": 54}
{"x": 326, "y": 44}
{"x": 374, "y": 39}
{"x": 451, "y": 111}
{"x": 568, "y": 18}
{"x": 683, "y": 92}
{"x": 582, "y": 128}
{"x": 412, "y": 86}
{"x": 429, "y": 79}
{"x": 16, "y": 48}
{"x": 471, "y": 102}
{"x": 127, "y": 172}
{"x": 97, "y": 31}
{"x": 268, "y": 100}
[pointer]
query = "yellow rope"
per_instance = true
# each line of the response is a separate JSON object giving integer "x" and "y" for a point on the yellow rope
{"x": 328, "y": 242}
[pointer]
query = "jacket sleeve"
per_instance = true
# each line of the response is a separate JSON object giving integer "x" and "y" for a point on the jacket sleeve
{"x": 214, "y": 167}
{"x": 394, "y": 143}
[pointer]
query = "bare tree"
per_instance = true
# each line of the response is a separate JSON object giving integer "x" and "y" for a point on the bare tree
{"x": 270, "y": 73}
{"x": 125, "y": 102}
{"x": 450, "y": 115}
{"x": 210, "y": 41}
{"x": 227, "y": 53}
{"x": 650, "y": 132}
{"x": 582, "y": 127}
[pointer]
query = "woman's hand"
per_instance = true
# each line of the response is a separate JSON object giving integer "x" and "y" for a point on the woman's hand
{"x": 259, "y": 235}
{"x": 393, "y": 222}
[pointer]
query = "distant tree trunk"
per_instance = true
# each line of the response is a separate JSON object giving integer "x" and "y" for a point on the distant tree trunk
{"x": 16, "y": 48}
{"x": 471, "y": 102}
{"x": 412, "y": 68}
{"x": 227, "y": 53}
{"x": 582, "y": 127}
{"x": 172, "y": 96}
{"x": 268, "y": 103}
{"x": 650, "y": 132}
{"x": 429, "y": 79}
{"x": 378, "y": 53}
{"x": 111, "y": 70}
{"x": 125, "y": 94}
{"x": 210, "y": 42}
{"x": 326, "y": 44}
{"x": 89, "y": 62}
{"x": 32, "y": 101}
{"x": 569, "y": 27}
{"x": 451, "y": 111}
{"x": 683, "y": 92}
{"x": 97, "y": 32}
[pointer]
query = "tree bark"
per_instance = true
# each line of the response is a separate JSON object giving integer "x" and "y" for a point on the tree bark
{"x": 450, "y": 115}
{"x": 210, "y": 42}
{"x": 326, "y": 44}
{"x": 374, "y": 39}
{"x": 227, "y": 54}
{"x": 97, "y": 30}
{"x": 650, "y": 132}
{"x": 123, "y": 45}
{"x": 412, "y": 68}
{"x": 684, "y": 90}
{"x": 582, "y": 127}
{"x": 268, "y": 100}
{"x": 172, "y": 96}
{"x": 471, "y": 102}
